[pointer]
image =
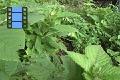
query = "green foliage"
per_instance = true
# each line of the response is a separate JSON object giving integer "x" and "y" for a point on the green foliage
{"x": 40, "y": 70}
{"x": 72, "y": 2}
{"x": 41, "y": 52}
{"x": 96, "y": 63}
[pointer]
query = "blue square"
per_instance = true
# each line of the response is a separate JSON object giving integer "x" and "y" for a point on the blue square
{"x": 16, "y": 16}
{"x": 16, "y": 9}
{"x": 16, "y": 24}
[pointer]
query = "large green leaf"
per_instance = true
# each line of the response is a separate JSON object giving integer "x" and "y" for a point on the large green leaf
{"x": 10, "y": 41}
{"x": 109, "y": 72}
{"x": 96, "y": 54}
{"x": 81, "y": 60}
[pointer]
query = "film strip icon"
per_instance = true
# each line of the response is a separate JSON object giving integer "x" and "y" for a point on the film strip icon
{"x": 17, "y": 17}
